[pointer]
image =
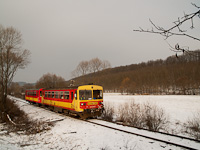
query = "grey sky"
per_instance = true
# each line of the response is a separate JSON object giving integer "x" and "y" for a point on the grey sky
{"x": 61, "y": 33}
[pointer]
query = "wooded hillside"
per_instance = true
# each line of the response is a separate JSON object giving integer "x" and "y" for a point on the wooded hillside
{"x": 171, "y": 76}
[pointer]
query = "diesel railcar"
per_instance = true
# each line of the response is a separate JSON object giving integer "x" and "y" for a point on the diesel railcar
{"x": 85, "y": 101}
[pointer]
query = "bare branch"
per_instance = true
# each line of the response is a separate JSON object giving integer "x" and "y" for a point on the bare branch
{"x": 195, "y": 6}
{"x": 177, "y": 25}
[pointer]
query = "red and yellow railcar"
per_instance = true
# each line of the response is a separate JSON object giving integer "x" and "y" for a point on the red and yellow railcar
{"x": 34, "y": 95}
{"x": 85, "y": 101}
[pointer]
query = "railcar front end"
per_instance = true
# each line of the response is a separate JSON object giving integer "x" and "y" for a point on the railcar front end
{"x": 89, "y": 101}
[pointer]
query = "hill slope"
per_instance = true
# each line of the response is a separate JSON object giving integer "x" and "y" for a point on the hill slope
{"x": 171, "y": 76}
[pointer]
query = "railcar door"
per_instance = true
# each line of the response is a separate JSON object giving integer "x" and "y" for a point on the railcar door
{"x": 72, "y": 99}
{"x": 40, "y": 96}
{"x": 75, "y": 101}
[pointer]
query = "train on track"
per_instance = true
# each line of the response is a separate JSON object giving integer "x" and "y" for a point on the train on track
{"x": 85, "y": 101}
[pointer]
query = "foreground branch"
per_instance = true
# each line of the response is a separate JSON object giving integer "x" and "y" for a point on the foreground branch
{"x": 10, "y": 120}
{"x": 176, "y": 29}
{"x": 169, "y": 32}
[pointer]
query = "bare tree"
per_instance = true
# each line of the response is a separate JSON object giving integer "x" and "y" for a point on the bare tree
{"x": 106, "y": 64}
{"x": 91, "y": 66}
{"x": 50, "y": 81}
{"x": 15, "y": 89}
{"x": 95, "y": 64}
{"x": 75, "y": 73}
{"x": 83, "y": 67}
{"x": 176, "y": 30}
{"x": 12, "y": 58}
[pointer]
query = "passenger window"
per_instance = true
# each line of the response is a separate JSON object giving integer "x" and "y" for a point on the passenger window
{"x": 66, "y": 95}
{"x": 49, "y": 94}
{"x": 61, "y": 95}
{"x": 52, "y": 94}
{"x": 45, "y": 95}
{"x": 56, "y": 94}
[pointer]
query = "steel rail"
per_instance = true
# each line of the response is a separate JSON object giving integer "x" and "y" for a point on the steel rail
{"x": 145, "y": 136}
{"x": 173, "y": 135}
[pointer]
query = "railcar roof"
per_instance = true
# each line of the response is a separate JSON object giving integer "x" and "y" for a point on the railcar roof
{"x": 32, "y": 89}
{"x": 62, "y": 88}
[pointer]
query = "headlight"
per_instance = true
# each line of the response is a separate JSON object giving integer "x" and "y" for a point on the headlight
{"x": 83, "y": 104}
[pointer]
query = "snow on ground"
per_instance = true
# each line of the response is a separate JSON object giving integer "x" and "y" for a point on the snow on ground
{"x": 70, "y": 133}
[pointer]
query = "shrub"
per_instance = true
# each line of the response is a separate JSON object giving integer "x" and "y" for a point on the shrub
{"x": 131, "y": 114}
{"x": 123, "y": 112}
{"x": 17, "y": 120}
{"x": 136, "y": 115}
{"x": 108, "y": 113}
{"x": 193, "y": 126}
{"x": 154, "y": 117}
{"x": 146, "y": 116}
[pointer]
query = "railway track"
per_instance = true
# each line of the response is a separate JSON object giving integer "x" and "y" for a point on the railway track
{"x": 178, "y": 141}
{"x": 174, "y": 140}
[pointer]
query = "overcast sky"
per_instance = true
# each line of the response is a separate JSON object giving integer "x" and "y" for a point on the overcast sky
{"x": 61, "y": 33}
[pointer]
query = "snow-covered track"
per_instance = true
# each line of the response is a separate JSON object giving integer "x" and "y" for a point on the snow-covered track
{"x": 164, "y": 133}
{"x": 174, "y": 140}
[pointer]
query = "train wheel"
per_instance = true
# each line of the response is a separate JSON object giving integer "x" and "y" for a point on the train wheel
{"x": 66, "y": 112}
{"x": 51, "y": 108}
{"x": 83, "y": 116}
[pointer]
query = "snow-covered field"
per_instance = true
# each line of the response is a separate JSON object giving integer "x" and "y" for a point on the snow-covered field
{"x": 69, "y": 133}
{"x": 178, "y": 107}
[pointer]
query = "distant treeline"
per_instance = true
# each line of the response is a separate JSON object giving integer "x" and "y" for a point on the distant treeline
{"x": 174, "y": 75}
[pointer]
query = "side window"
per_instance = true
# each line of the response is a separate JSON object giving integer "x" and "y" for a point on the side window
{"x": 56, "y": 94}
{"x": 52, "y": 94}
{"x": 66, "y": 95}
{"x": 35, "y": 94}
{"x": 61, "y": 95}
{"x": 45, "y": 94}
{"x": 49, "y": 94}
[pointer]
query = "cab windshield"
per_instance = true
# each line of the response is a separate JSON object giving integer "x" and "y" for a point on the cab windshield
{"x": 85, "y": 94}
{"x": 97, "y": 94}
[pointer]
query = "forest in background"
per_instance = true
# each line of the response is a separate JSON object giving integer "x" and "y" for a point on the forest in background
{"x": 174, "y": 75}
